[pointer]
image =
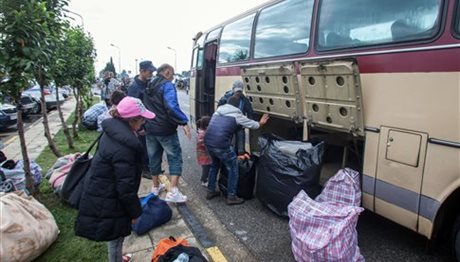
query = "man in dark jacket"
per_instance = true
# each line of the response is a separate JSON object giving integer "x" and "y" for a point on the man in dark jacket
{"x": 224, "y": 123}
{"x": 246, "y": 108}
{"x": 161, "y": 133}
{"x": 137, "y": 90}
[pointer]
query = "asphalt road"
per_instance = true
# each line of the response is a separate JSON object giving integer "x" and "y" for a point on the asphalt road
{"x": 267, "y": 237}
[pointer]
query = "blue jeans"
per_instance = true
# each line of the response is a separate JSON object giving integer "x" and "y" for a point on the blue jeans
{"x": 226, "y": 156}
{"x": 156, "y": 145}
{"x": 115, "y": 249}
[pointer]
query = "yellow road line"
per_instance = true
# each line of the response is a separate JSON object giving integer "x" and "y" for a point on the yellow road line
{"x": 216, "y": 255}
{"x": 10, "y": 140}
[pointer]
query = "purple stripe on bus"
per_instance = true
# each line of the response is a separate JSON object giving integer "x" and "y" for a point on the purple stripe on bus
{"x": 401, "y": 197}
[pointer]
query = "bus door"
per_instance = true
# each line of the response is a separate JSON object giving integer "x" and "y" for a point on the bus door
{"x": 401, "y": 161}
{"x": 206, "y": 82}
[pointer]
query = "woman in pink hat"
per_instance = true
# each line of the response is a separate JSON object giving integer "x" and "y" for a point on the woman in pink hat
{"x": 109, "y": 202}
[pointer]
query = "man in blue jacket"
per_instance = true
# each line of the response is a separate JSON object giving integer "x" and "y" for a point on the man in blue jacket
{"x": 161, "y": 132}
{"x": 137, "y": 90}
{"x": 224, "y": 123}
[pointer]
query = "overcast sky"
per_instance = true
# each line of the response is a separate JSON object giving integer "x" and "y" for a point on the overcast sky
{"x": 143, "y": 29}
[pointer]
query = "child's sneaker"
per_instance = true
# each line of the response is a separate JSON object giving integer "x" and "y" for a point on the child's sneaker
{"x": 175, "y": 196}
{"x": 157, "y": 190}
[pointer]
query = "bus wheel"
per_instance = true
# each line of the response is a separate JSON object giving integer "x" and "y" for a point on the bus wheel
{"x": 456, "y": 238}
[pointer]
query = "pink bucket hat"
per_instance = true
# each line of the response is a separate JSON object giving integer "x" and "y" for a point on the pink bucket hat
{"x": 132, "y": 107}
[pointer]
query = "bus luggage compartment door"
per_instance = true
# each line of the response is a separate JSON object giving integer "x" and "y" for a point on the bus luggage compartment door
{"x": 273, "y": 89}
{"x": 333, "y": 97}
{"x": 401, "y": 161}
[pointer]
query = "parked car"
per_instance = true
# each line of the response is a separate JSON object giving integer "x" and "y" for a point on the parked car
{"x": 30, "y": 105}
{"x": 50, "y": 97}
{"x": 8, "y": 116}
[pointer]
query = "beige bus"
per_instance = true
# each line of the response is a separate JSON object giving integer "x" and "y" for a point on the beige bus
{"x": 379, "y": 81}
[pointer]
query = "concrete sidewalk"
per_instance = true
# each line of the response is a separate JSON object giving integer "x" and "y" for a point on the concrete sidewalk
{"x": 141, "y": 246}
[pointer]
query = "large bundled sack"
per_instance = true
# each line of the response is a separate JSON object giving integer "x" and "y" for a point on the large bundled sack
{"x": 27, "y": 228}
{"x": 323, "y": 231}
{"x": 57, "y": 174}
{"x": 285, "y": 168}
{"x": 17, "y": 175}
{"x": 343, "y": 188}
{"x": 246, "y": 178}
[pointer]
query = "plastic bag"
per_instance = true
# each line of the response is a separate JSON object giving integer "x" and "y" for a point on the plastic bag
{"x": 281, "y": 176}
{"x": 323, "y": 231}
{"x": 246, "y": 178}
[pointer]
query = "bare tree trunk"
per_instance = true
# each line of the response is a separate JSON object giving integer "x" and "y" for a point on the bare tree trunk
{"x": 76, "y": 112}
{"x": 64, "y": 124}
{"x": 51, "y": 143}
{"x": 30, "y": 183}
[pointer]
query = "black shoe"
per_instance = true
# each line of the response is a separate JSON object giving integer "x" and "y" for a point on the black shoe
{"x": 234, "y": 200}
{"x": 212, "y": 194}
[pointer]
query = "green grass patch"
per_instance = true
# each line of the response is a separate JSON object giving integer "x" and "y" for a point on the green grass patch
{"x": 67, "y": 247}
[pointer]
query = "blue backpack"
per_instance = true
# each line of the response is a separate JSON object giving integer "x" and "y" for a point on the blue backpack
{"x": 155, "y": 212}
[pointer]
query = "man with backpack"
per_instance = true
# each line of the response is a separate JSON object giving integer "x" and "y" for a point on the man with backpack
{"x": 137, "y": 90}
{"x": 161, "y": 133}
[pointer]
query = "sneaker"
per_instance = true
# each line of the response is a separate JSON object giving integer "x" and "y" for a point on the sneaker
{"x": 175, "y": 196}
{"x": 212, "y": 194}
{"x": 157, "y": 190}
{"x": 205, "y": 184}
{"x": 234, "y": 200}
{"x": 127, "y": 257}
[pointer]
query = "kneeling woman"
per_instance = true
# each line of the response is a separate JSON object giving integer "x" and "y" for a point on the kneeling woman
{"x": 109, "y": 202}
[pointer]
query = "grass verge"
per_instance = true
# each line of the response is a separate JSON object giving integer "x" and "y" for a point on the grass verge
{"x": 67, "y": 247}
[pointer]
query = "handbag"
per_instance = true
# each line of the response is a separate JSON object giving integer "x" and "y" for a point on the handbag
{"x": 155, "y": 212}
{"x": 73, "y": 184}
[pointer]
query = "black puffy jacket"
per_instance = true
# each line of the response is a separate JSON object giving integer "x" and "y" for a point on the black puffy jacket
{"x": 109, "y": 200}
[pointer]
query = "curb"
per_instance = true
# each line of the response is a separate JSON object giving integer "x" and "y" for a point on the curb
{"x": 197, "y": 229}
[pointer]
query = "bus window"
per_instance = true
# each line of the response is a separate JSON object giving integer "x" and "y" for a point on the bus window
{"x": 457, "y": 21}
{"x": 283, "y": 29}
{"x": 213, "y": 34}
{"x": 200, "y": 40}
{"x": 194, "y": 57}
{"x": 375, "y": 22}
{"x": 200, "y": 58}
{"x": 235, "y": 41}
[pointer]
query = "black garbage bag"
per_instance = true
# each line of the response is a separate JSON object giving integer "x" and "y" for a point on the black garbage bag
{"x": 246, "y": 178}
{"x": 285, "y": 168}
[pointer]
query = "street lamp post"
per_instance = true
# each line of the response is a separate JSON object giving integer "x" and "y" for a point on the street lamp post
{"x": 175, "y": 57}
{"x": 119, "y": 57}
{"x": 81, "y": 17}
{"x": 135, "y": 64}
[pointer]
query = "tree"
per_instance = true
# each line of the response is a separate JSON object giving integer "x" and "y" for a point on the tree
{"x": 61, "y": 62}
{"x": 21, "y": 39}
{"x": 110, "y": 67}
{"x": 81, "y": 72}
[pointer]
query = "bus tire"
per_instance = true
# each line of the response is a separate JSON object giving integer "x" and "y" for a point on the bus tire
{"x": 456, "y": 238}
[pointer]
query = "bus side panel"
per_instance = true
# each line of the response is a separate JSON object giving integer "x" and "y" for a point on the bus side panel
{"x": 442, "y": 177}
{"x": 370, "y": 169}
{"x": 192, "y": 99}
